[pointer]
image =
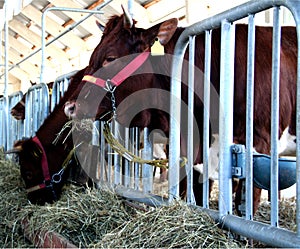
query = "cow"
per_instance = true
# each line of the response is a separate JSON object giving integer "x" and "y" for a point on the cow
{"x": 122, "y": 38}
{"x": 18, "y": 111}
{"x": 43, "y": 162}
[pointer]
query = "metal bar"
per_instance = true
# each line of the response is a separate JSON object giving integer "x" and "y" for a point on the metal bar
{"x": 117, "y": 158}
{"x": 275, "y": 116}
{"x": 175, "y": 113}
{"x": 60, "y": 35}
{"x": 296, "y": 12}
{"x": 137, "y": 165}
{"x": 226, "y": 117}
{"x": 190, "y": 139}
{"x": 147, "y": 169}
{"x": 109, "y": 160}
{"x": 206, "y": 117}
{"x": 102, "y": 154}
{"x": 6, "y": 42}
{"x": 272, "y": 236}
{"x": 249, "y": 117}
{"x": 43, "y": 37}
{"x": 126, "y": 162}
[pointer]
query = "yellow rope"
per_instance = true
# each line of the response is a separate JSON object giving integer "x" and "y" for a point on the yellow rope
{"x": 119, "y": 148}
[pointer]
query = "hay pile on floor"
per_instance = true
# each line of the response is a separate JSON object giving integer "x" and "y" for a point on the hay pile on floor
{"x": 81, "y": 215}
{"x": 175, "y": 226}
{"x": 13, "y": 198}
{"x": 98, "y": 218}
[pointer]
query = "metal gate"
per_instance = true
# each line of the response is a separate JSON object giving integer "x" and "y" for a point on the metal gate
{"x": 269, "y": 234}
{"x": 15, "y": 129}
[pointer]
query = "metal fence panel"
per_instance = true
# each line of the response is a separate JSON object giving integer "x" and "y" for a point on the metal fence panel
{"x": 269, "y": 234}
{"x": 15, "y": 129}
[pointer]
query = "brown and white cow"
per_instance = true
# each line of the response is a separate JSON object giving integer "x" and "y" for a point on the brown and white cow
{"x": 122, "y": 38}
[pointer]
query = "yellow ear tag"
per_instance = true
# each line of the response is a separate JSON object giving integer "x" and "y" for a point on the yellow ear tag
{"x": 157, "y": 48}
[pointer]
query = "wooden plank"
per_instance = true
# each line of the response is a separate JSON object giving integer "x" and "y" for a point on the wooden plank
{"x": 35, "y": 39}
{"x": 18, "y": 73}
{"x": 52, "y": 27}
{"x": 25, "y": 51}
{"x": 15, "y": 57}
{"x": 46, "y": 239}
{"x": 89, "y": 24}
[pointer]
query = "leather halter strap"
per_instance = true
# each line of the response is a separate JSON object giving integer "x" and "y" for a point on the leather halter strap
{"x": 128, "y": 70}
{"x": 45, "y": 168}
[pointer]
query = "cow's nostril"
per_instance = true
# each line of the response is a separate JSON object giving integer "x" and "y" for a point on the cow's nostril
{"x": 72, "y": 108}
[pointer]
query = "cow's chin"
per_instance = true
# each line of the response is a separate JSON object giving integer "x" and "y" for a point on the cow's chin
{"x": 43, "y": 196}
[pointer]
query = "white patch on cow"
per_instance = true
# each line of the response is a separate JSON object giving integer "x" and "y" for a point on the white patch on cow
{"x": 213, "y": 160}
{"x": 158, "y": 151}
{"x": 287, "y": 144}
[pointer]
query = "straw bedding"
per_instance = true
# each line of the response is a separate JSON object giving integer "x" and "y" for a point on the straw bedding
{"x": 98, "y": 218}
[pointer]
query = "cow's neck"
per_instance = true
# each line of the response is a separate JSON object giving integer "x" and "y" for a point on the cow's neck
{"x": 52, "y": 125}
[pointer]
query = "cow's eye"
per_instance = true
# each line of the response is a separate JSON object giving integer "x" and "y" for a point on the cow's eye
{"x": 28, "y": 175}
{"x": 109, "y": 60}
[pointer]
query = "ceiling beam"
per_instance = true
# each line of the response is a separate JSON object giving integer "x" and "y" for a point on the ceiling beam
{"x": 53, "y": 28}
{"x": 89, "y": 24}
{"x": 35, "y": 39}
{"x": 18, "y": 73}
{"x": 15, "y": 57}
{"x": 26, "y": 51}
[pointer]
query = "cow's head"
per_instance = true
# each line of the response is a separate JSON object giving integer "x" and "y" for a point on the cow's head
{"x": 18, "y": 111}
{"x": 41, "y": 169}
{"x": 122, "y": 42}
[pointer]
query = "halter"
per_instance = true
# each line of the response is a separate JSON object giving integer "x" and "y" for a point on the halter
{"x": 48, "y": 181}
{"x": 110, "y": 84}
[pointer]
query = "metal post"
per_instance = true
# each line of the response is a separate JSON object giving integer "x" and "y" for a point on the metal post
{"x": 206, "y": 117}
{"x": 147, "y": 169}
{"x": 226, "y": 117}
{"x": 190, "y": 140}
{"x": 44, "y": 30}
{"x": 249, "y": 117}
{"x": 275, "y": 116}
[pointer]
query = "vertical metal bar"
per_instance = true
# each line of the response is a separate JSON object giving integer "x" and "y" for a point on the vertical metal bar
{"x": 43, "y": 24}
{"x": 117, "y": 157}
{"x": 96, "y": 142}
{"x": 206, "y": 115}
{"x": 275, "y": 115}
{"x": 175, "y": 113}
{"x": 109, "y": 160}
{"x": 6, "y": 47}
{"x": 298, "y": 131}
{"x": 5, "y": 92}
{"x": 126, "y": 163}
{"x": 226, "y": 117}
{"x": 102, "y": 155}
{"x": 137, "y": 165}
{"x": 249, "y": 117}
{"x": 147, "y": 169}
{"x": 190, "y": 139}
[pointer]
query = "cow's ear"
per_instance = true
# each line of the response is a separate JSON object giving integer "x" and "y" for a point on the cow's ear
{"x": 167, "y": 30}
{"x": 100, "y": 26}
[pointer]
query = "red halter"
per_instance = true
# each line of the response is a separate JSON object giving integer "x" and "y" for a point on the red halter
{"x": 122, "y": 75}
{"x": 45, "y": 168}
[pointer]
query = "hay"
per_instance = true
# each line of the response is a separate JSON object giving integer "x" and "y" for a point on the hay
{"x": 81, "y": 215}
{"x": 175, "y": 226}
{"x": 98, "y": 218}
{"x": 13, "y": 198}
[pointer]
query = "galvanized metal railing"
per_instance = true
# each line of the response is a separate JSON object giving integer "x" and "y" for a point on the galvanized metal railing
{"x": 59, "y": 87}
{"x": 15, "y": 129}
{"x": 269, "y": 234}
